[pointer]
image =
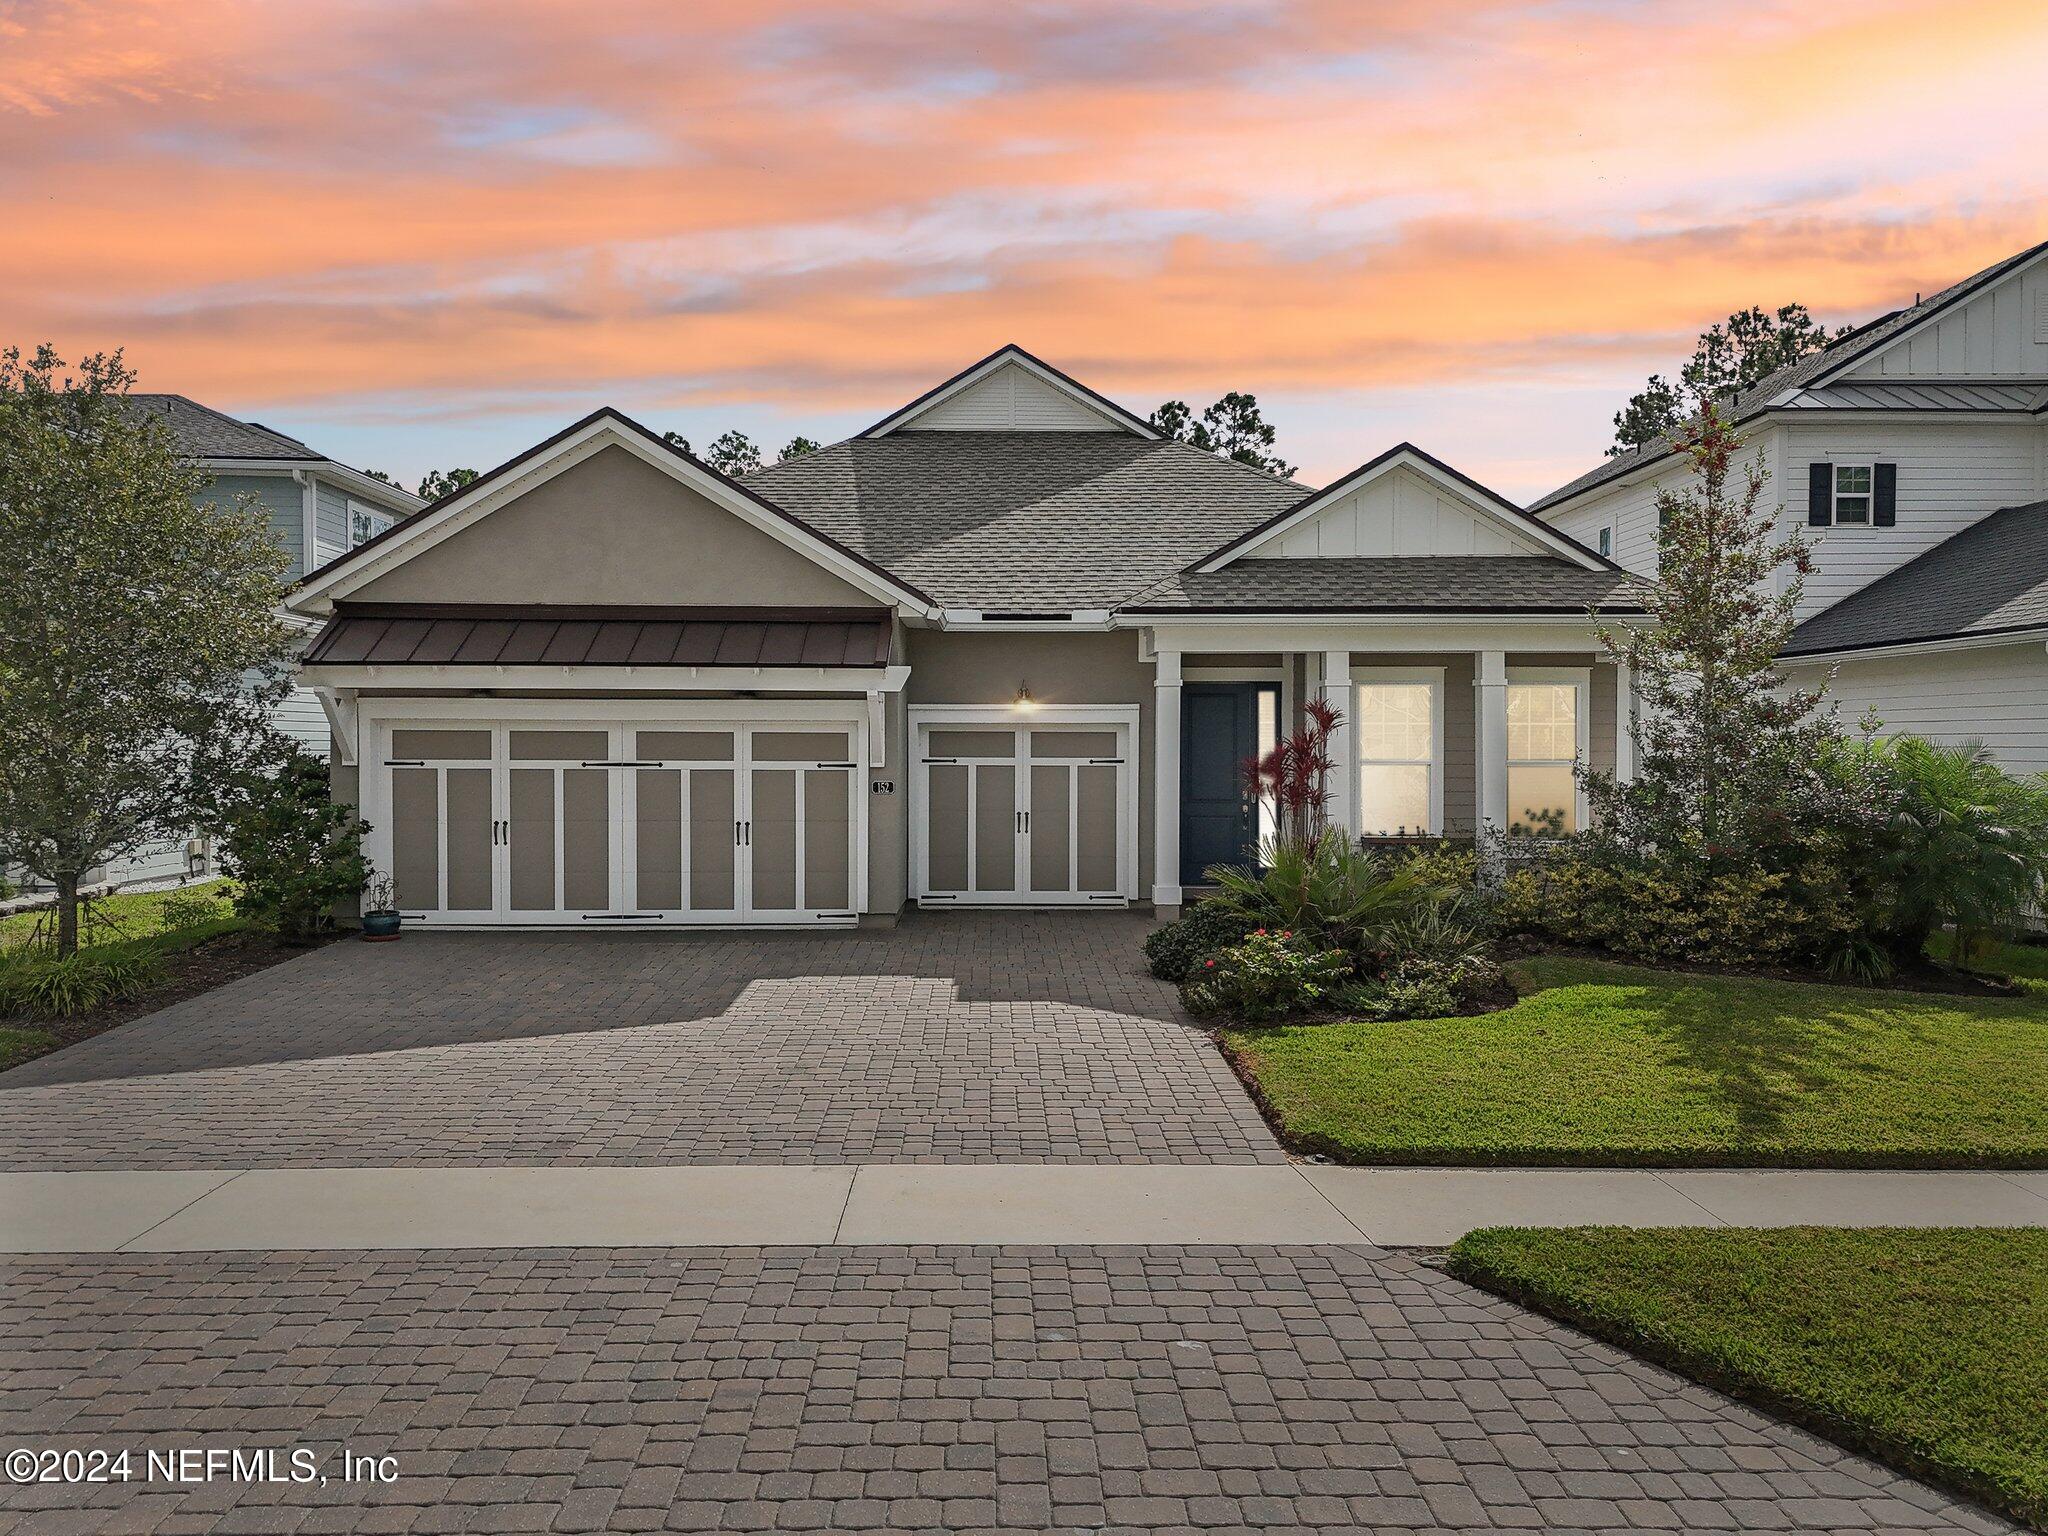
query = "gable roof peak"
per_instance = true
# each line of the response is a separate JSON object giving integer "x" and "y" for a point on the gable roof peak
{"x": 1488, "y": 500}
{"x": 1011, "y": 355}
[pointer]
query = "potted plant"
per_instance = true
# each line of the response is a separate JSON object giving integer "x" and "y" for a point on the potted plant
{"x": 380, "y": 910}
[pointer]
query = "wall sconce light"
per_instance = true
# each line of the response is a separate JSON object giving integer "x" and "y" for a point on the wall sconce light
{"x": 1024, "y": 704}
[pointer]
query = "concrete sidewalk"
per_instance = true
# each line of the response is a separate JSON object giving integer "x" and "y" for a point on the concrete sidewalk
{"x": 263, "y": 1209}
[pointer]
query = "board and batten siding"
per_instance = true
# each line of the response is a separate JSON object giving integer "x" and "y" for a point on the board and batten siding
{"x": 1951, "y": 474}
{"x": 2001, "y": 332}
{"x": 1994, "y": 694}
{"x": 1010, "y": 399}
{"x": 1396, "y": 513}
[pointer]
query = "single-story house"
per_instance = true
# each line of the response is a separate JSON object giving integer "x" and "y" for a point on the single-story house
{"x": 1008, "y": 646}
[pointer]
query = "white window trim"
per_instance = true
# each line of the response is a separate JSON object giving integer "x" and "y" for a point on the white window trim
{"x": 1580, "y": 678}
{"x": 1835, "y": 468}
{"x": 1434, "y": 677}
{"x": 367, "y": 510}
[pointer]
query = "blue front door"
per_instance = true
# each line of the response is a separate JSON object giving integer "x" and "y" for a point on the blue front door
{"x": 1220, "y": 734}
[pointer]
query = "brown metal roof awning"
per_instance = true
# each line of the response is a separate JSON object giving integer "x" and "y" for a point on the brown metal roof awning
{"x": 482, "y": 635}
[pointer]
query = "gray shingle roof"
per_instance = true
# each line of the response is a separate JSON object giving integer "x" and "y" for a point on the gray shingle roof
{"x": 1025, "y": 521}
{"x": 1991, "y": 577}
{"x": 1394, "y": 584}
{"x": 200, "y": 432}
{"x": 1752, "y": 401}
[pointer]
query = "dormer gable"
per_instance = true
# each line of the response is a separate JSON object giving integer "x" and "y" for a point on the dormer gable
{"x": 1998, "y": 330}
{"x": 1403, "y": 503}
{"x": 1011, "y": 391}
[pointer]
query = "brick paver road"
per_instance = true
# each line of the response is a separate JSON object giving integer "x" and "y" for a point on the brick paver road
{"x": 901, "y": 1390}
{"x": 954, "y": 1037}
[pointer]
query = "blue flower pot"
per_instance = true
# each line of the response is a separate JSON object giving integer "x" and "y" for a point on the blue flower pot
{"x": 379, "y": 926}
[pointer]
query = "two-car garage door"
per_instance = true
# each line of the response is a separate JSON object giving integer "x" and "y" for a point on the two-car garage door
{"x": 561, "y": 821}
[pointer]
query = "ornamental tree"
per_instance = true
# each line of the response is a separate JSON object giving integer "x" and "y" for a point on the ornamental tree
{"x": 1723, "y": 745}
{"x": 139, "y": 635}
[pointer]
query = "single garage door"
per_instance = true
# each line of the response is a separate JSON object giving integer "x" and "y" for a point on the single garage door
{"x": 1035, "y": 814}
{"x": 563, "y": 823}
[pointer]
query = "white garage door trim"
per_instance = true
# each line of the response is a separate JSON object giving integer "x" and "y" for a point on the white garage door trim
{"x": 618, "y": 718}
{"x": 1121, "y": 718}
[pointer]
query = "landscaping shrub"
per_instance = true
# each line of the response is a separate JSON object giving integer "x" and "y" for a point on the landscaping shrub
{"x": 1270, "y": 975}
{"x": 1966, "y": 847}
{"x": 1422, "y": 987}
{"x": 1738, "y": 916}
{"x": 1175, "y": 948}
{"x": 189, "y": 909}
{"x": 45, "y": 986}
{"x": 292, "y": 852}
{"x": 1331, "y": 889}
{"x": 1444, "y": 867}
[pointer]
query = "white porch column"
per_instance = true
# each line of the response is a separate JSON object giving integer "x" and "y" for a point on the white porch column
{"x": 1166, "y": 780}
{"x": 1624, "y": 721}
{"x": 1490, "y": 683}
{"x": 1344, "y": 775}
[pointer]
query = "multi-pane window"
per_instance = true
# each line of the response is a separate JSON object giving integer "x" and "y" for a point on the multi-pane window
{"x": 1543, "y": 745}
{"x": 1852, "y": 493}
{"x": 1399, "y": 757}
{"x": 364, "y": 524}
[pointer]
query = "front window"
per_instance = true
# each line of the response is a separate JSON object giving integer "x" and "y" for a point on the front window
{"x": 1607, "y": 541}
{"x": 1544, "y": 742}
{"x": 1852, "y": 493}
{"x": 1399, "y": 757}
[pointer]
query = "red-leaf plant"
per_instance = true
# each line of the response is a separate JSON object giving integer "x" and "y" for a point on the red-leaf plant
{"x": 1295, "y": 774}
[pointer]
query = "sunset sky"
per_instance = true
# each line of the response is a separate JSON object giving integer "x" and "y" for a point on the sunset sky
{"x": 430, "y": 232}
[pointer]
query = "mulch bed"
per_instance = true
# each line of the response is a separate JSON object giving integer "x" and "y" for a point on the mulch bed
{"x": 187, "y": 973}
{"x": 1927, "y": 977}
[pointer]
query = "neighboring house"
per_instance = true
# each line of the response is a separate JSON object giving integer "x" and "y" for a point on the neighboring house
{"x": 1914, "y": 452}
{"x": 319, "y": 509}
{"x": 1007, "y": 646}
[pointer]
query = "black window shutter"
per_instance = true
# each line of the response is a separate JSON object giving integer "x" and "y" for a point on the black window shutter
{"x": 1820, "y": 494}
{"x": 1884, "y": 506}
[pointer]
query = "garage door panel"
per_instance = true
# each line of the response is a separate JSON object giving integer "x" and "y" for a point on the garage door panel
{"x": 772, "y": 841}
{"x": 416, "y": 838}
{"x": 657, "y": 838}
{"x": 828, "y": 835}
{"x": 713, "y": 848}
{"x": 468, "y": 800}
{"x": 995, "y": 827}
{"x": 531, "y": 798}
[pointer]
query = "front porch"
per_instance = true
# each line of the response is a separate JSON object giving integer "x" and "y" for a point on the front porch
{"x": 1459, "y": 731}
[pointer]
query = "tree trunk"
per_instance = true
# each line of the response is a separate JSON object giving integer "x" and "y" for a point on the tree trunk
{"x": 67, "y": 913}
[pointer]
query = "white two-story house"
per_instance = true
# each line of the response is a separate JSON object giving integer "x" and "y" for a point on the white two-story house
{"x": 1914, "y": 454}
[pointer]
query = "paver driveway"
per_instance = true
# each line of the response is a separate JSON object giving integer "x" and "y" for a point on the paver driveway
{"x": 956, "y": 1036}
{"x": 920, "y": 1390}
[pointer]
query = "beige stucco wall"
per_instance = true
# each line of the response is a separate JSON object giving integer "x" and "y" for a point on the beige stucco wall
{"x": 952, "y": 667}
{"x": 613, "y": 529}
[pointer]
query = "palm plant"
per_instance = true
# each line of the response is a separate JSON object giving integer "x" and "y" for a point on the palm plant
{"x": 1328, "y": 888}
{"x": 1966, "y": 847}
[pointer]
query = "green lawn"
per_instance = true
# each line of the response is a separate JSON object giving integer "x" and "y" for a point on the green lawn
{"x": 2026, "y": 964}
{"x": 137, "y": 914}
{"x": 1610, "y": 1064}
{"x": 1923, "y": 1348}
